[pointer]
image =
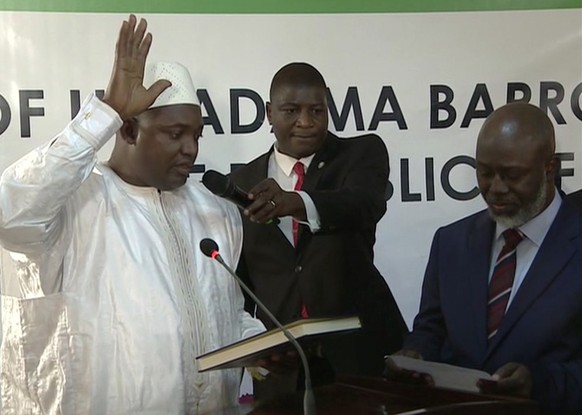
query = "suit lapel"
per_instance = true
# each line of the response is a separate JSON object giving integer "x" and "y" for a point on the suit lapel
{"x": 555, "y": 251}
{"x": 320, "y": 163}
{"x": 477, "y": 262}
{"x": 258, "y": 173}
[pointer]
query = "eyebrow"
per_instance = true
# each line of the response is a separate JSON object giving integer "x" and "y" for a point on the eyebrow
{"x": 295, "y": 104}
{"x": 178, "y": 124}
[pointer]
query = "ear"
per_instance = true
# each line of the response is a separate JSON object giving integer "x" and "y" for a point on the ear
{"x": 268, "y": 108}
{"x": 553, "y": 171}
{"x": 129, "y": 130}
{"x": 552, "y": 168}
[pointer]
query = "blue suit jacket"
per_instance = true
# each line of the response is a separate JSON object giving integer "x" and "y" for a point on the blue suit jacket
{"x": 543, "y": 325}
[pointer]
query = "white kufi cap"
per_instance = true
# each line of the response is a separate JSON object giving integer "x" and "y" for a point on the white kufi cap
{"x": 182, "y": 90}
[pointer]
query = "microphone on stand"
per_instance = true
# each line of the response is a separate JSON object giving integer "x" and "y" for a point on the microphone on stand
{"x": 210, "y": 248}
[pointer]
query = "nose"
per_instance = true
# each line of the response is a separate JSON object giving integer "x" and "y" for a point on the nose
{"x": 190, "y": 146}
{"x": 305, "y": 119}
{"x": 498, "y": 185}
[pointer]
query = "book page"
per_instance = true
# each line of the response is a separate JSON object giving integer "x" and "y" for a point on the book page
{"x": 444, "y": 375}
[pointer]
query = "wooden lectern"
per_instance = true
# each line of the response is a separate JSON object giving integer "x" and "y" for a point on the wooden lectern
{"x": 376, "y": 396}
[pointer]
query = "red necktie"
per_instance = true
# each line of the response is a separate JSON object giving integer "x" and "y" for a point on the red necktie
{"x": 502, "y": 281}
{"x": 299, "y": 170}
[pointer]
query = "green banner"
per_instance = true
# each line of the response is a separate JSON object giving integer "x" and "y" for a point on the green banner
{"x": 280, "y": 6}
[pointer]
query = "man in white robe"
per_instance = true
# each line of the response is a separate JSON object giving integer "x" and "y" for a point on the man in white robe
{"x": 106, "y": 297}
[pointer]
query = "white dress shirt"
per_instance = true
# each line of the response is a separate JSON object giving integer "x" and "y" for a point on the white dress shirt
{"x": 533, "y": 233}
{"x": 281, "y": 169}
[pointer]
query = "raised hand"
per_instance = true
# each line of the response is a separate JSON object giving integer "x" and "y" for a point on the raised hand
{"x": 126, "y": 93}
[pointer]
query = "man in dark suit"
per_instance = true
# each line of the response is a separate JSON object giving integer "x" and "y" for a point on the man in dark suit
{"x": 513, "y": 309}
{"x": 318, "y": 261}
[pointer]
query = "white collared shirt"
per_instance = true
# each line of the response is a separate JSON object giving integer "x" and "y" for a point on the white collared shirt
{"x": 281, "y": 169}
{"x": 534, "y": 233}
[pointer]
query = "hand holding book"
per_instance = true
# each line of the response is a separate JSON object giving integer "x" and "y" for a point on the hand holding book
{"x": 510, "y": 379}
{"x": 396, "y": 373}
{"x": 404, "y": 368}
{"x": 265, "y": 346}
{"x": 279, "y": 363}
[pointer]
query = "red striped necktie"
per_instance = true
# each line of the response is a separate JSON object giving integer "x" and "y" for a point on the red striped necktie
{"x": 502, "y": 281}
{"x": 299, "y": 170}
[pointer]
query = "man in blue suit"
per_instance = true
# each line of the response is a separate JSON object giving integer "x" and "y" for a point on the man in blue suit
{"x": 515, "y": 311}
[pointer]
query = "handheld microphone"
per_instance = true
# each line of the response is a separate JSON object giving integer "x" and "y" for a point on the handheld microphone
{"x": 222, "y": 186}
{"x": 210, "y": 248}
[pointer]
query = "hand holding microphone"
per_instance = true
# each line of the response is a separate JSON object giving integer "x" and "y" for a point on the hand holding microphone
{"x": 263, "y": 204}
{"x": 270, "y": 201}
{"x": 222, "y": 186}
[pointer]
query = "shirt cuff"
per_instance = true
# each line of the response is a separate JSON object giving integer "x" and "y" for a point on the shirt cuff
{"x": 313, "y": 220}
{"x": 98, "y": 120}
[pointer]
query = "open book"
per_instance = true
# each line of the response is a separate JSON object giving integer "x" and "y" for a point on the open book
{"x": 444, "y": 376}
{"x": 246, "y": 352}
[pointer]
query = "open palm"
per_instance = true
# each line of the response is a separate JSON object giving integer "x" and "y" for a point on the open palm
{"x": 126, "y": 93}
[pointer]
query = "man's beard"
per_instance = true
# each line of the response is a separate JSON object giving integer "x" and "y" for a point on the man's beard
{"x": 526, "y": 213}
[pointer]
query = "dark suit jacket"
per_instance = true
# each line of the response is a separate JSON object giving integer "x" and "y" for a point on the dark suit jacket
{"x": 543, "y": 325}
{"x": 331, "y": 271}
{"x": 576, "y": 198}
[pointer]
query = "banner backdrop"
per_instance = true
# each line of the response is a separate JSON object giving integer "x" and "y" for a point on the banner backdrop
{"x": 422, "y": 81}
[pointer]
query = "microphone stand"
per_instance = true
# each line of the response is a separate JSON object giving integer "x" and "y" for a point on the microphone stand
{"x": 308, "y": 398}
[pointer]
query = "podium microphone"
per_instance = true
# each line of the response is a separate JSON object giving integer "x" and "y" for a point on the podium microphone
{"x": 210, "y": 248}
